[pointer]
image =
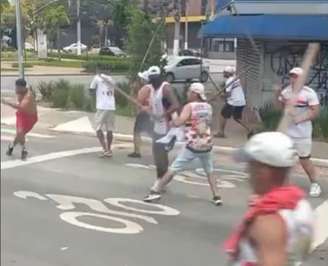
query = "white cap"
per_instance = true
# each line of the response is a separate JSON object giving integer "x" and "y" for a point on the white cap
{"x": 229, "y": 69}
{"x": 199, "y": 89}
{"x": 154, "y": 70}
{"x": 143, "y": 75}
{"x": 272, "y": 148}
{"x": 296, "y": 71}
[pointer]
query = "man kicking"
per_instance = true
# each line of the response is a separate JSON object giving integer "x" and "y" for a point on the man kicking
{"x": 26, "y": 116}
{"x": 196, "y": 116}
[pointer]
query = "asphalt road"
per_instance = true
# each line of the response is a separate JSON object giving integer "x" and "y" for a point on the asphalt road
{"x": 66, "y": 206}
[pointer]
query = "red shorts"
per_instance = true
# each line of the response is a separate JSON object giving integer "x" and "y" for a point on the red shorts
{"x": 25, "y": 121}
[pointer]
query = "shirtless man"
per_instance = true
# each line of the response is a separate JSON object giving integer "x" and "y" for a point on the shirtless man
{"x": 26, "y": 116}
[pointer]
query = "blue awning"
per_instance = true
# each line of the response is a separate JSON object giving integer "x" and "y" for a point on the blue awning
{"x": 286, "y": 27}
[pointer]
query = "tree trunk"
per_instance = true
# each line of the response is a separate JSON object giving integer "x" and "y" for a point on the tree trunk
{"x": 58, "y": 43}
{"x": 106, "y": 34}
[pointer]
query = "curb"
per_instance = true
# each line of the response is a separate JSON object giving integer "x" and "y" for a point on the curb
{"x": 223, "y": 149}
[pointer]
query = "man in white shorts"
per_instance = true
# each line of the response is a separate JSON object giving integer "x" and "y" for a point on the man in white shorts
{"x": 196, "y": 116}
{"x": 307, "y": 108}
{"x": 103, "y": 87}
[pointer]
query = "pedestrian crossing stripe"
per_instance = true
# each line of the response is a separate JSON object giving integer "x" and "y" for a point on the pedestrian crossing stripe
{"x": 36, "y": 135}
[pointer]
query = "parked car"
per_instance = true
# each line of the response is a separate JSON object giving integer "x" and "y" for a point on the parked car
{"x": 186, "y": 68}
{"x": 189, "y": 52}
{"x": 112, "y": 50}
{"x": 73, "y": 48}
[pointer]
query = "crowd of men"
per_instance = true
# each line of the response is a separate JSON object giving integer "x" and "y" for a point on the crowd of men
{"x": 275, "y": 203}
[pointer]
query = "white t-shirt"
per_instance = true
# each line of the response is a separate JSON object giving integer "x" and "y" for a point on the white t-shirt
{"x": 104, "y": 92}
{"x": 237, "y": 97}
{"x": 306, "y": 97}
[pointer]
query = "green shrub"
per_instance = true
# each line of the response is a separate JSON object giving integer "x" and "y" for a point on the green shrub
{"x": 60, "y": 93}
{"x": 46, "y": 89}
{"x": 77, "y": 97}
{"x": 270, "y": 116}
{"x": 26, "y": 65}
{"x": 57, "y": 63}
{"x": 320, "y": 125}
{"x": 87, "y": 57}
{"x": 113, "y": 66}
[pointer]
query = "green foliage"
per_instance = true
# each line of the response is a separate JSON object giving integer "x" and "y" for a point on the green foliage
{"x": 60, "y": 94}
{"x": 26, "y": 65}
{"x": 113, "y": 66}
{"x": 77, "y": 98}
{"x": 87, "y": 57}
{"x": 141, "y": 30}
{"x": 57, "y": 63}
{"x": 320, "y": 125}
{"x": 270, "y": 116}
{"x": 46, "y": 89}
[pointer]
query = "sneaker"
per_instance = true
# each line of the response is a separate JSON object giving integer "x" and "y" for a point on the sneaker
{"x": 10, "y": 150}
{"x": 315, "y": 190}
{"x": 217, "y": 200}
{"x": 24, "y": 154}
{"x": 250, "y": 134}
{"x": 108, "y": 154}
{"x": 219, "y": 135}
{"x": 152, "y": 196}
{"x": 134, "y": 155}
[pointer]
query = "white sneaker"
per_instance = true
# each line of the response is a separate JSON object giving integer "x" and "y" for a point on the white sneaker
{"x": 315, "y": 190}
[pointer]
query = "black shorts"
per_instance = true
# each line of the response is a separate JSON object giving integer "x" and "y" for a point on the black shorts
{"x": 144, "y": 124}
{"x": 235, "y": 111}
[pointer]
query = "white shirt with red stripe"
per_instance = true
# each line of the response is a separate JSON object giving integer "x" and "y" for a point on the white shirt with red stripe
{"x": 306, "y": 97}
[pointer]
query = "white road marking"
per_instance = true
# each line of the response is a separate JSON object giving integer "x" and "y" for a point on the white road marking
{"x": 36, "y": 135}
{"x": 164, "y": 210}
{"x": 63, "y": 248}
{"x": 67, "y": 203}
{"x": 321, "y": 225}
{"x": 129, "y": 227}
{"x": 55, "y": 155}
{"x": 29, "y": 194}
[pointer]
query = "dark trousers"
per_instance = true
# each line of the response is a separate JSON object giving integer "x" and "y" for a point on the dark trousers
{"x": 161, "y": 158}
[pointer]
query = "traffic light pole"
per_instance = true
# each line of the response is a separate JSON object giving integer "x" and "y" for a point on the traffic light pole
{"x": 78, "y": 25}
{"x": 19, "y": 40}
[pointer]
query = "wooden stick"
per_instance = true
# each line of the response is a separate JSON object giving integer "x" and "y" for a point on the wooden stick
{"x": 308, "y": 59}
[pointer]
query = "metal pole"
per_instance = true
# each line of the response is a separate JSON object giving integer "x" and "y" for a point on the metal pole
{"x": 78, "y": 28}
{"x": 186, "y": 34}
{"x": 186, "y": 25}
{"x": 19, "y": 40}
{"x": 177, "y": 17}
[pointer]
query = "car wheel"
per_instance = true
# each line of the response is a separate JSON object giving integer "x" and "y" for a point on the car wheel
{"x": 203, "y": 77}
{"x": 169, "y": 77}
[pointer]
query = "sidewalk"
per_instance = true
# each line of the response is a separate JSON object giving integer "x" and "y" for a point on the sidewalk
{"x": 77, "y": 122}
{"x": 42, "y": 70}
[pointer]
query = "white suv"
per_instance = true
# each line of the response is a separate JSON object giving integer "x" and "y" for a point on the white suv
{"x": 186, "y": 68}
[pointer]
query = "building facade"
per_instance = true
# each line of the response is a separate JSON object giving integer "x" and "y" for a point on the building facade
{"x": 271, "y": 39}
